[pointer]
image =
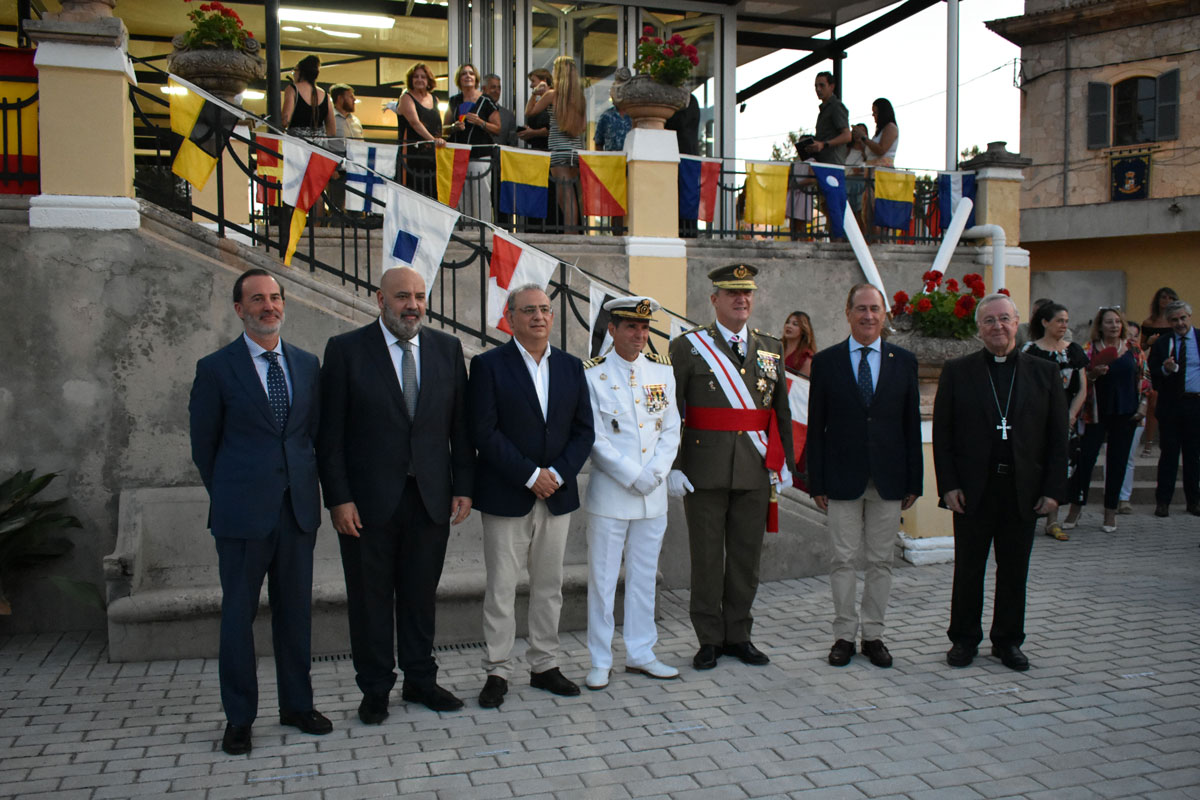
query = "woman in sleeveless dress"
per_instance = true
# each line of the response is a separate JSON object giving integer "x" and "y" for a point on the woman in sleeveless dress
{"x": 419, "y": 129}
{"x": 307, "y": 112}
{"x": 568, "y": 120}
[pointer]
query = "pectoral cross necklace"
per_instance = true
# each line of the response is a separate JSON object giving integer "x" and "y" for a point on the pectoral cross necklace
{"x": 1003, "y": 427}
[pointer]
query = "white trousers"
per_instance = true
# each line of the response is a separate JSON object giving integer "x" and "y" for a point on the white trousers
{"x": 538, "y": 541}
{"x": 869, "y": 522}
{"x": 641, "y": 540}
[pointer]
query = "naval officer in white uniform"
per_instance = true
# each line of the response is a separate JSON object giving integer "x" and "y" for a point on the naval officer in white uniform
{"x": 637, "y": 435}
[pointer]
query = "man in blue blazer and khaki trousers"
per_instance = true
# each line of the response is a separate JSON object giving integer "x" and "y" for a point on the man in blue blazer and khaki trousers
{"x": 254, "y": 410}
{"x": 531, "y": 420}
{"x": 864, "y": 465}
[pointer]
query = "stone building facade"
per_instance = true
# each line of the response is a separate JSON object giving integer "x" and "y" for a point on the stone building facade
{"x": 1110, "y": 111}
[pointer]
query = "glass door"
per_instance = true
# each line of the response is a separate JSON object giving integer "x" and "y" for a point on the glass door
{"x": 595, "y": 39}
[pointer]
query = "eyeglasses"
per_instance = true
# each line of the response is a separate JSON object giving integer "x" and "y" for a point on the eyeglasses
{"x": 529, "y": 311}
{"x": 991, "y": 322}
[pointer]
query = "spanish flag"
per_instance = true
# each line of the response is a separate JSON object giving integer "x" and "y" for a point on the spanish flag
{"x": 766, "y": 192}
{"x": 204, "y": 127}
{"x": 893, "y": 197}
{"x": 524, "y": 182}
{"x": 452, "y": 172}
{"x": 305, "y": 174}
{"x": 602, "y": 179}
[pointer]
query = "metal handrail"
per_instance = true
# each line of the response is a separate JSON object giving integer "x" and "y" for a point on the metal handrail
{"x": 470, "y": 234}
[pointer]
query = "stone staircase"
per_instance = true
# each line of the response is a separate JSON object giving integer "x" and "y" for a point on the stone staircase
{"x": 1145, "y": 478}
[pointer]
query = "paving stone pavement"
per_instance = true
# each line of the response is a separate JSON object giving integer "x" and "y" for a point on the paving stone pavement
{"x": 1110, "y": 708}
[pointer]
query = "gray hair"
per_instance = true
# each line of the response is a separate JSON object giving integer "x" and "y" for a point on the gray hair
{"x": 511, "y": 303}
{"x": 991, "y": 298}
{"x": 488, "y": 77}
{"x": 1178, "y": 305}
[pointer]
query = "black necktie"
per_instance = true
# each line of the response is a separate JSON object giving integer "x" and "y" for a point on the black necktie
{"x": 864, "y": 376}
{"x": 1180, "y": 354}
{"x": 277, "y": 394}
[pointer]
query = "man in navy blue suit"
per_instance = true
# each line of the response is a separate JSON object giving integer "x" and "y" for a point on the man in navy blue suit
{"x": 864, "y": 465}
{"x": 254, "y": 411}
{"x": 531, "y": 420}
{"x": 1175, "y": 372}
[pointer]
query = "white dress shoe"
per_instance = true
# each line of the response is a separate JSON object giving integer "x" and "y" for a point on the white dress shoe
{"x": 655, "y": 669}
{"x": 597, "y": 678}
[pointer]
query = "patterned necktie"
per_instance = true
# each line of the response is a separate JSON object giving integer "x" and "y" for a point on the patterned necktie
{"x": 735, "y": 344}
{"x": 864, "y": 376}
{"x": 277, "y": 394}
{"x": 408, "y": 378}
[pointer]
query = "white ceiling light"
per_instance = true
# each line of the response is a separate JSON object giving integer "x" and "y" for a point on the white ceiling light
{"x": 291, "y": 29}
{"x": 253, "y": 94}
{"x": 341, "y": 34}
{"x": 336, "y": 18}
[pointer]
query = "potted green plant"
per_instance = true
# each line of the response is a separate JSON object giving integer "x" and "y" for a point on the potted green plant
{"x": 217, "y": 53}
{"x": 27, "y": 528}
{"x": 656, "y": 92}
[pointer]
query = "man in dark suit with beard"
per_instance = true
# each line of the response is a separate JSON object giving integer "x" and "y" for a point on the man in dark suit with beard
{"x": 1175, "y": 371}
{"x": 1000, "y": 453}
{"x": 397, "y": 469}
{"x": 254, "y": 410}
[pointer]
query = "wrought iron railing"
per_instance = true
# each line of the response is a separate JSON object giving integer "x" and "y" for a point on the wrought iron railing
{"x": 20, "y": 169}
{"x": 355, "y": 237}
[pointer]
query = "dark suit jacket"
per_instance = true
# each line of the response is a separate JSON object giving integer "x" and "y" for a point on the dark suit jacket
{"x": 367, "y": 440}
{"x": 513, "y": 439}
{"x": 245, "y": 461}
{"x": 965, "y": 419}
{"x": 849, "y": 442}
{"x": 1169, "y": 387}
{"x": 727, "y": 459}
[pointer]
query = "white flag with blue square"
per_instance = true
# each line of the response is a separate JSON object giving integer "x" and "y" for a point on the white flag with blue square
{"x": 416, "y": 231}
{"x": 952, "y": 187}
{"x": 367, "y": 166}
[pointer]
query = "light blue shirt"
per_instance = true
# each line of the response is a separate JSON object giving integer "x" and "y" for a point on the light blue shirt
{"x": 261, "y": 364}
{"x": 874, "y": 354}
{"x": 1191, "y": 369}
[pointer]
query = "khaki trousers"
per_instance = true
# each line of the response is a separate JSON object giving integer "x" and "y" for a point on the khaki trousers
{"x": 869, "y": 523}
{"x": 537, "y": 541}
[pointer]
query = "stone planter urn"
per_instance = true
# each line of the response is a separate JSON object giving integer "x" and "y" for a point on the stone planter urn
{"x": 224, "y": 72}
{"x": 647, "y": 102}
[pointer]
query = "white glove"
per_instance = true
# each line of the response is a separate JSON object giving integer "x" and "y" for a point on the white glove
{"x": 647, "y": 482}
{"x": 677, "y": 484}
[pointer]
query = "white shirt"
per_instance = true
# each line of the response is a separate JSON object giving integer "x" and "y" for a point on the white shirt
{"x": 347, "y": 126}
{"x": 261, "y": 364}
{"x": 874, "y": 354}
{"x": 727, "y": 334}
{"x": 397, "y": 354}
{"x": 539, "y": 373}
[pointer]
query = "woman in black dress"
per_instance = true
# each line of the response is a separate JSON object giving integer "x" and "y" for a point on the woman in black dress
{"x": 1049, "y": 330}
{"x": 1154, "y": 326}
{"x": 307, "y": 112}
{"x": 419, "y": 129}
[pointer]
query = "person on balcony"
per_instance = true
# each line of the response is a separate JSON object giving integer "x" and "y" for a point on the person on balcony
{"x": 307, "y": 112}
{"x": 474, "y": 119}
{"x": 419, "y": 130}
{"x": 507, "y": 135}
{"x": 832, "y": 136}
{"x": 568, "y": 119}
{"x": 880, "y": 147}
{"x": 535, "y": 133}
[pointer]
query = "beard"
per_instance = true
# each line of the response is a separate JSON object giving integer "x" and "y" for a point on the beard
{"x": 263, "y": 327}
{"x": 402, "y": 327}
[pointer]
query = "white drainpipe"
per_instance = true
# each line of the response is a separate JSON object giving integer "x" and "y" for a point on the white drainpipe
{"x": 997, "y": 235}
{"x": 957, "y": 229}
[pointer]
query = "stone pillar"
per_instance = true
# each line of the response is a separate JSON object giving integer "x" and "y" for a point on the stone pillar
{"x": 998, "y": 177}
{"x": 85, "y": 119}
{"x": 657, "y": 256}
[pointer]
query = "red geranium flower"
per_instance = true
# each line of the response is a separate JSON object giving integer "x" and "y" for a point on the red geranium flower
{"x": 695, "y": 61}
{"x": 1005, "y": 292}
{"x": 206, "y": 7}
{"x": 900, "y": 298}
{"x": 676, "y": 39}
{"x": 978, "y": 290}
{"x": 643, "y": 40}
{"x": 657, "y": 40}
{"x": 924, "y": 305}
{"x": 952, "y": 286}
{"x": 668, "y": 52}
{"x": 690, "y": 50}
{"x": 648, "y": 29}
{"x": 249, "y": 35}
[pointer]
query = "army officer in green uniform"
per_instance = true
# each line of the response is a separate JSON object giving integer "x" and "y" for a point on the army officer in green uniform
{"x": 735, "y": 447}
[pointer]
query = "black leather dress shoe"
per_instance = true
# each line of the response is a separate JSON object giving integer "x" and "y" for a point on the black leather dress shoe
{"x": 706, "y": 657}
{"x": 432, "y": 696}
{"x": 1162, "y": 510}
{"x": 746, "y": 653}
{"x": 373, "y": 709}
{"x": 236, "y": 741}
{"x": 840, "y": 653}
{"x": 960, "y": 655}
{"x": 1194, "y": 509}
{"x": 877, "y": 652}
{"x": 494, "y": 689}
{"x": 554, "y": 682}
{"x": 311, "y": 721}
{"x": 1011, "y": 656}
